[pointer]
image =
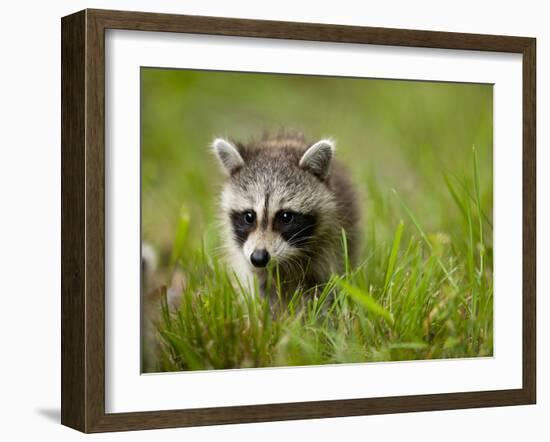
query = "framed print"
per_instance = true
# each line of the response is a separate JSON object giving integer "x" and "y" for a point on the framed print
{"x": 270, "y": 220}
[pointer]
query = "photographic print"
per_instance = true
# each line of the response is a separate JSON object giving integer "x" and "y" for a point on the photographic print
{"x": 295, "y": 220}
{"x": 257, "y": 208}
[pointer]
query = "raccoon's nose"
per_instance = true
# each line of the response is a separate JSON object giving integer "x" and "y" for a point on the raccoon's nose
{"x": 259, "y": 258}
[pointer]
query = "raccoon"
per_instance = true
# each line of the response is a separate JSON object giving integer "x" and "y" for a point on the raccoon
{"x": 285, "y": 204}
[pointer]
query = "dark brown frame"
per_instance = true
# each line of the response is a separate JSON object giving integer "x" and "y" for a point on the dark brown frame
{"x": 83, "y": 216}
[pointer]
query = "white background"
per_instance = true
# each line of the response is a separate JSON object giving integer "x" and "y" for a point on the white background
{"x": 128, "y": 391}
{"x": 30, "y": 221}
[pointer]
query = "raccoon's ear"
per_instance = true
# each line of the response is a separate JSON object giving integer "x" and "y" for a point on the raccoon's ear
{"x": 317, "y": 159}
{"x": 228, "y": 155}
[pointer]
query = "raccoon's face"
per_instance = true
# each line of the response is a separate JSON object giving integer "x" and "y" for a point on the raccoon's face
{"x": 276, "y": 201}
{"x": 278, "y": 234}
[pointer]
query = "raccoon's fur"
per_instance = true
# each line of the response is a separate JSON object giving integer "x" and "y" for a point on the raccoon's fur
{"x": 285, "y": 203}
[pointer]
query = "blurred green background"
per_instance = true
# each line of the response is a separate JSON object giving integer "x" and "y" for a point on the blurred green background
{"x": 392, "y": 134}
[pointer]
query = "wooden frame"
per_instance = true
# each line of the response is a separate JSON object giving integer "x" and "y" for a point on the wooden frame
{"x": 83, "y": 217}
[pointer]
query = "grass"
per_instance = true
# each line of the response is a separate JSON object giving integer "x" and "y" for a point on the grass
{"x": 423, "y": 287}
{"x": 424, "y": 297}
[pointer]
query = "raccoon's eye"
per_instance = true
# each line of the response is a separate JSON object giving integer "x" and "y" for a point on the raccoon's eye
{"x": 286, "y": 217}
{"x": 249, "y": 217}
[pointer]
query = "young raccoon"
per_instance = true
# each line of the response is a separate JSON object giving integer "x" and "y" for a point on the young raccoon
{"x": 285, "y": 202}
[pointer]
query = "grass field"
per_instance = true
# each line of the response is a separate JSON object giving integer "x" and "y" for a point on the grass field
{"x": 423, "y": 286}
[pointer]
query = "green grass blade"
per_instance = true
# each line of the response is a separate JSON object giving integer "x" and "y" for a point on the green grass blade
{"x": 181, "y": 236}
{"x": 480, "y": 220}
{"x": 471, "y": 246}
{"x": 409, "y": 346}
{"x": 366, "y": 301}
{"x": 346, "y": 254}
{"x": 472, "y": 198}
{"x": 393, "y": 255}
